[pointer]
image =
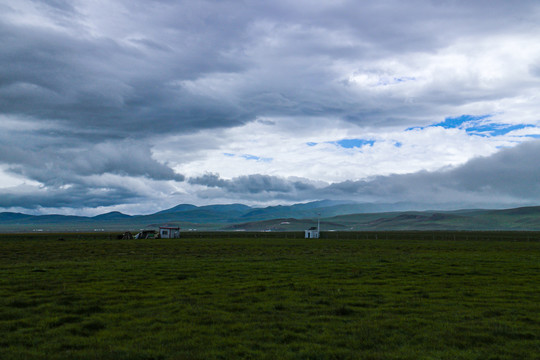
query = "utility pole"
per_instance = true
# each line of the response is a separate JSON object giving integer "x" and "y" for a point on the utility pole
{"x": 318, "y": 225}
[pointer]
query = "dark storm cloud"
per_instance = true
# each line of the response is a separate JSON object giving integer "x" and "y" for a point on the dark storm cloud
{"x": 510, "y": 176}
{"x": 514, "y": 171}
{"x": 51, "y": 166}
{"x": 104, "y": 174}
{"x": 73, "y": 197}
{"x": 252, "y": 184}
{"x": 57, "y": 5}
{"x": 104, "y": 81}
{"x": 129, "y": 79}
{"x": 100, "y": 83}
{"x": 210, "y": 180}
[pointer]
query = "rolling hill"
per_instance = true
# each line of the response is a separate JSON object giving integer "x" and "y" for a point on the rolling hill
{"x": 333, "y": 216}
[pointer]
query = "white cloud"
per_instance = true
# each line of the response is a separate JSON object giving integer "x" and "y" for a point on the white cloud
{"x": 285, "y": 142}
{"x": 9, "y": 180}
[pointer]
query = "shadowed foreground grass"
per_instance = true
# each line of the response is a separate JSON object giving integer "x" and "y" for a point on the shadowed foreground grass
{"x": 269, "y": 298}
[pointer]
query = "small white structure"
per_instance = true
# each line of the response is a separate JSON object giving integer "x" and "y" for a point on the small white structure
{"x": 169, "y": 232}
{"x": 312, "y": 233}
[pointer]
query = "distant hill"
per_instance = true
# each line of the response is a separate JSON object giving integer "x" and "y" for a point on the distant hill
{"x": 178, "y": 208}
{"x": 333, "y": 216}
{"x": 509, "y": 219}
{"x": 11, "y": 216}
{"x": 114, "y": 215}
{"x": 229, "y": 208}
{"x": 525, "y": 219}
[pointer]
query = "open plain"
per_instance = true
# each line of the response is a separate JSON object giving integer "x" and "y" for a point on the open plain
{"x": 414, "y": 295}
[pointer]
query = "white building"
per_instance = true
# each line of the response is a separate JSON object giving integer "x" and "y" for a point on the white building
{"x": 169, "y": 232}
{"x": 312, "y": 233}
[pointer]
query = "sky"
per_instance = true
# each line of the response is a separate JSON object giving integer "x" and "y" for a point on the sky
{"x": 137, "y": 106}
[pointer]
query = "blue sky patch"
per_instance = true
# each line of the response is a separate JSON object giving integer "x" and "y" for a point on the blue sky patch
{"x": 311, "y": 143}
{"x": 256, "y": 158}
{"x": 495, "y": 129}
{"x": 228, "y": 154}
{"x": 458, "y": 122}
{"x": 475, "y": 125}
{"x": 354, "y": 143}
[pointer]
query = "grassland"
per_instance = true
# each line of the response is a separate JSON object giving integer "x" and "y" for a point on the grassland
{"x": 355, "y": 296}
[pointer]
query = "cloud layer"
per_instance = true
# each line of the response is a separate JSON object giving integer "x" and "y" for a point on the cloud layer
{"x": 115, "y": 104}
{"x": 508, "y": 178}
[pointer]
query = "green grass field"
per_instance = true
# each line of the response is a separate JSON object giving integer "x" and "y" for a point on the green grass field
{"x": 414, "y": 297}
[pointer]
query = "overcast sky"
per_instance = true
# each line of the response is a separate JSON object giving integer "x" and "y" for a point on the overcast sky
{"x": 138, "y": 106}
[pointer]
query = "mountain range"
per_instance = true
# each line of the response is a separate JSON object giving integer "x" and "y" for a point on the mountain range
{"x": 333, "y": 215}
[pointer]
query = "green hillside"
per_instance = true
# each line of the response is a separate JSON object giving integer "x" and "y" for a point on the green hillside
{"x": 238, "y": 217}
